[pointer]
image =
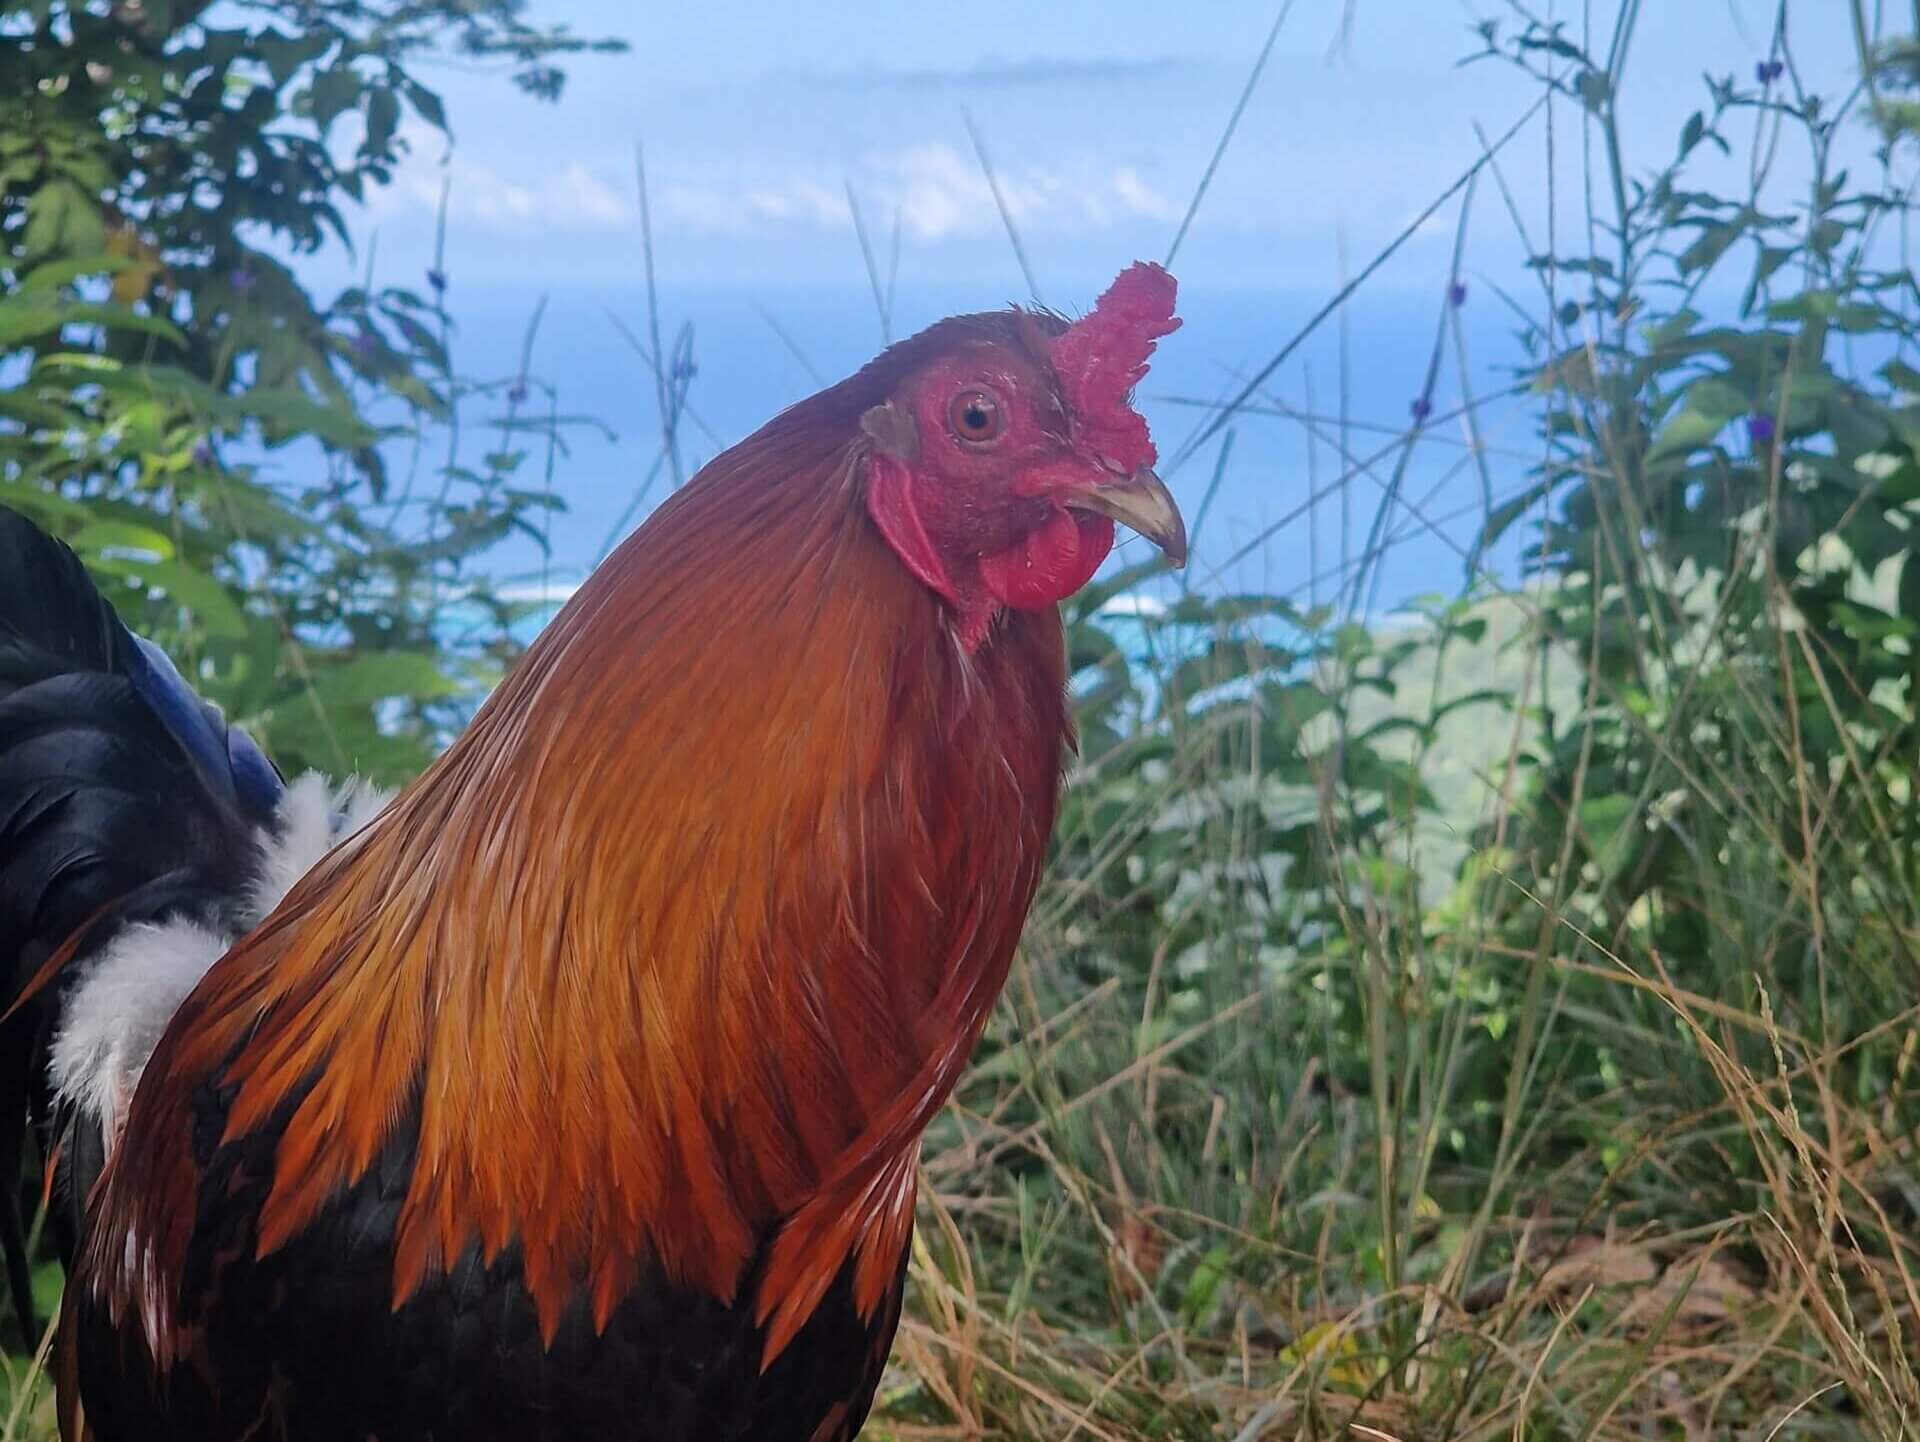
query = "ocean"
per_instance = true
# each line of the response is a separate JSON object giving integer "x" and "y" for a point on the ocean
{"x": 1248, "y": 491}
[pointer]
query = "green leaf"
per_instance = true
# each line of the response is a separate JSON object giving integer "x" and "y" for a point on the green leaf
{"x": 1498, "y": 699}
{"x": 1808, "y": 305}
{"x": 1900, "y": 374}
{"x": 198, "y": 592}
{"x": 1553, "y": 44}
{"x": 1686, "y": 433}
{"x": 1502, "y": 516}
{"x": 1221, "y": 662}
{"x": 285, "y": 54}
{"x": 105, "y": 536}
{"x": 334, "y": 90}
{"x": 378, "y": 675}
{"x": 1770, "y": 259}
{"x": 68, "y": 361}
{"x": 383, "y": 114}
{"x": 287, "y": 412}
{"x": 1715, "y": 398}
{"x": 48, "y": 278}
{"x": 53, "y": 510}
{"x": 29, "y": 317}
{"x": 418, "y": 336}
{"x": 427, "y": 105}
{"x": 1203, "y": 1285}
{"x": 1691, "y": 132}
{"x": 1714, "y": 239}
{"x": 257, "y": 512}
{"x": 1602, "y": 818}
{"x": 62, "y": 219}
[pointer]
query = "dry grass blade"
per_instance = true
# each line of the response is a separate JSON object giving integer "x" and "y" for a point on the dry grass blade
{"x": 1000, "y": 204}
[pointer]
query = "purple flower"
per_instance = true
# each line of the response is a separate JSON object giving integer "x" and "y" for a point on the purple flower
{"x": 364, "y": 346}
{"x": 1457, "y": 293}
{"x": 1760, "y": 429}
{"x": 437, "y": 279}
{"x": 1422, "y": 407}
{"x": 1767, "y": 71}
{"x": 202, "y": 453}
{"x": 517, "y": 393}
{"x": 242, "y": 280}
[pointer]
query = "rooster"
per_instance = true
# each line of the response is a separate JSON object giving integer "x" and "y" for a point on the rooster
{"x": 576, "y": 1091}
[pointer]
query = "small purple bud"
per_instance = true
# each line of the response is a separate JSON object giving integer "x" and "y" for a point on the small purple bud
{"x": 242, "y": 280}
{"x": 1767, "y": 71}
{"x": 517, "y": 393}
{"x": 437, "y": 279}
{"x": 364, "y": 346}
{"x": 1457, "y": 294}
{"x": 202, "y": 453}
{"x": 1760, "y": 429}
{"x": 1421, "y": 408}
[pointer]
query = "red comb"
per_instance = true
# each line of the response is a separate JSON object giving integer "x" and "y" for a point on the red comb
{"x": 1101, "y": 357}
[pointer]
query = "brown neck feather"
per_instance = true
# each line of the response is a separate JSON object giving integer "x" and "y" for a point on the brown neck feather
{"x": 681, "y": 944}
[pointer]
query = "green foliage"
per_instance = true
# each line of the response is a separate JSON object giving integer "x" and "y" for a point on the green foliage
{"x": 1730, "y": 536}
{"x": 155, "y": 160}
{"x": 1503, "y": 1024}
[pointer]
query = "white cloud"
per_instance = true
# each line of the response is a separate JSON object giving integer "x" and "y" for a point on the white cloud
{"x": 585, "y": 194}
{"x": 574, "y": 197}
{"x": 935, "y": 190}
{"x": 940, "y": 192}
{"x": 710, "y": 210}
{"x": 1139, "y": 197}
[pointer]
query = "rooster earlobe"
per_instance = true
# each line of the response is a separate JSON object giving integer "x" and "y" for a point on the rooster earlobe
{"x": 892, "y": 432}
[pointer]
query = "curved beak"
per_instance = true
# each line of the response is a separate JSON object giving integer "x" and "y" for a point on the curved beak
{"x": 1141, "y": 502}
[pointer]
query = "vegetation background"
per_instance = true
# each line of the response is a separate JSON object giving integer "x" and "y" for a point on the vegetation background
{"x": 1496, "y": 1022}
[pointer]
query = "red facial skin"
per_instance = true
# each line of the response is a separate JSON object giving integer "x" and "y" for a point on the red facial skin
{"x": 981, "y": 522}
{"x": 986, "y": 522}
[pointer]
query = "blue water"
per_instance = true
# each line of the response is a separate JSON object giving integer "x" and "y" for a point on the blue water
{"x": 1259, "y": 531}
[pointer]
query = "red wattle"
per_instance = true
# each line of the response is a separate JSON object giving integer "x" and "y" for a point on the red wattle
{"x": 891, "y": 503}
{"x": 1050, "y": 563}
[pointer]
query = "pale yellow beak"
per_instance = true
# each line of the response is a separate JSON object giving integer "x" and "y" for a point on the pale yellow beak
{"x": 1141, "y": 502}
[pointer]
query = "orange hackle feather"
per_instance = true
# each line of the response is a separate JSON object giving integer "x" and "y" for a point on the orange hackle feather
{"x": 677, "y": 949}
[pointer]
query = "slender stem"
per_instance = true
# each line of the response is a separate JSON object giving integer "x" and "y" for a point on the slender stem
{"x": 1000, "y": 201}
{"x": 670, "y": 441}
{"x": 1226, "y": 136}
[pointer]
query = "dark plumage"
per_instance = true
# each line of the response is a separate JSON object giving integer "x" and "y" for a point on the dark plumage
{"x": 123, "y": 798}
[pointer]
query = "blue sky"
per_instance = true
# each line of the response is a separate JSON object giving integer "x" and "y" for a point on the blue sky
{"x": 1100, "y": 117}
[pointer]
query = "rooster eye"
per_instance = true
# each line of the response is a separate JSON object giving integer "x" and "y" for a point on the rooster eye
{"x": 975, "y": 415}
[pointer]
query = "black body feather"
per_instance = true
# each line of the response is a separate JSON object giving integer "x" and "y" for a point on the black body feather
{"x": 305, "y": 1345}
{"x": 123, "y": 798}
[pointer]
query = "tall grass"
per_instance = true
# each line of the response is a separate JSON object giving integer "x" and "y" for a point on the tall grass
{"x": 1503, "y": 1024}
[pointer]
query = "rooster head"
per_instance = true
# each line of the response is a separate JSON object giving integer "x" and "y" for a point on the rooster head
{"x": 1009, "y": 446}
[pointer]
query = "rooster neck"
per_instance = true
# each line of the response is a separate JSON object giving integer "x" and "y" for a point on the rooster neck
{"x": 674, "y": 954}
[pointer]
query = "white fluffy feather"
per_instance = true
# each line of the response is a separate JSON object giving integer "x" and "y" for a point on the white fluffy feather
{"x": 117, "y": 1011}
{"x": 312, "y": 819}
